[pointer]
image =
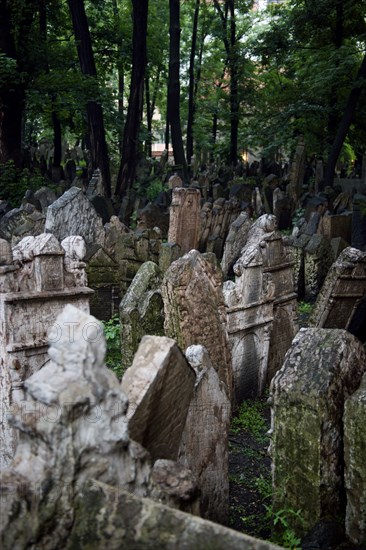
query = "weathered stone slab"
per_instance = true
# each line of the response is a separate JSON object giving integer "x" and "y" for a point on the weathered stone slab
{"x": 261, "y": 307}
{"x": 33, "y": 291}
{"x": 235, "y": 241}
{"x": 342, "y": 291}
{"x": 159, "y": 386}
{"x": 320, "y": 370}
{"x": 141, "y": 311}
{"x": 184, "y": 222}
{"x": 359, "y": 222}
{"x": 195, "y": 311}
{"x": 354, "y": 459}
{"x": 204, "y": 445}
{"x": 73, "y": 214}
{"x": 338, "y": 226}
{"x": 318, "y": 259}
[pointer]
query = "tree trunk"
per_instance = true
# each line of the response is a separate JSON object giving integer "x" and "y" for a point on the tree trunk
{"x": 191, "y": 102}
{"x": 12, "y": 98}
{"x": 127, "y": 169}
{"x": 174, "y": 88}
{"x": 345, "y": 124}
{"x": 99, "y": 151}
{"x": 148, "y": 149}
{"x": 234, "y": 96}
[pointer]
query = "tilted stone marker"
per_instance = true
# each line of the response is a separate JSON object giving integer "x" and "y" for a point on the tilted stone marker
{"x": 235, "y": 241}
{"x": 159, "y": 386}
{"x": 141, "y": 311}
{"x": 342, "y": 291}
{"x": 184, "y": 221}
{"x": 74, "y": 214}
{"x": 204, "y": 445}
{"x": 195, "y": 311}
{"x": 321, "y": 369}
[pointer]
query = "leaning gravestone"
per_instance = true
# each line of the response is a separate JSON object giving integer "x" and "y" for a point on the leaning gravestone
{"x": 141, "y": 311}
{"x": 73, "y": 214}
{"x": 159, "y": 386}
{"x": 321, "y": 369}
{"x": 204, "y": 445}
{"x": 235, "y": 241}
{"x": 342, "y": 291}
{"x": 195, "y": 311}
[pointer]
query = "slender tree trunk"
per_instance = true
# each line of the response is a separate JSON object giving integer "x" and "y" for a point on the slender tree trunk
{"x": 234, "y": 95}
{"x": 99, "y": 151}
{"x": 345, "y": 123}
{"x": 12, "y": 98}
{"x": 191, "y": 102}
{"x": 127, "y": 169}
{"x": 148, "y": 150}
{"x": 174, "y": 88}
{"x": 333, "y": 117}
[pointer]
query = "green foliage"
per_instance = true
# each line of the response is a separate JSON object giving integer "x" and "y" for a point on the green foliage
{"x": 112, "y": 336}
{"x": 284, "y": 534}
{"x": 15, "y": 182}
{"x": 305, "y": 308}
{"x": 250, "y": 419}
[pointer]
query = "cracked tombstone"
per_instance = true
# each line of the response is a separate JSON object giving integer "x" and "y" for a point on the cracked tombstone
{"x": 195, "y": 311}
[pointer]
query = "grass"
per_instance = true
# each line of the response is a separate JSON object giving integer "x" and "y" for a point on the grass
{"x": 113, "y": 340}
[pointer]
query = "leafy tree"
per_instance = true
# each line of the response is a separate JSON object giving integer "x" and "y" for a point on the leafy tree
{"x": 98, "y": 145}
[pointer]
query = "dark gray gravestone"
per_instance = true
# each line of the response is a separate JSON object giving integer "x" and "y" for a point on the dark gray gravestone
{"x": 359, "y": 222}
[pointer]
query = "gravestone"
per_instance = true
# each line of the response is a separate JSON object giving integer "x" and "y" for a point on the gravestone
{"x": 320, "y": 370}
{"x": 34, "y": 287}
{"x": 19, "y": 222}
{"x": 195, "y": 311}
{"x": 342, "y": 291}
{"x": 318, "y": 257}
{"x": 159, "y": 386}
{"x": 184, "y": 222}
{"x": 297, "y": 171}
{"x": 261, "y": 308}
{"x": 73, "y": 214}
{"x": 103, "y": 278}
{"x": 354, "y": 460}
{"x": 339, "y": 225}
{"x": 234, "y": 242}
{"x": 141, "y": 311}
{"x": 132, "y": 250}
{"x": 175, "y": 181}
{"x": 359, "y": 222}
{"x": 204, "y": 444}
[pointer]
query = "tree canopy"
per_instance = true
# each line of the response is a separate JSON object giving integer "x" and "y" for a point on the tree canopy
{"x": 247, "y": 79}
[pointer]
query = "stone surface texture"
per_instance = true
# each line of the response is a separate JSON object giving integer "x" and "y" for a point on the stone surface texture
{"x": 195, "y": 310}
{"x": 235, "y": 241}
{"x": 74, "y": 214}
{"x": 204, "y": 444}
{"x": 159, "y": 386}
{"x": 322, "y": 368}
{"x": 342, "y": 291}
{"x": 261, "y": 308}
{"x": 184, "y": 220}
{"x": 35, "y": 285}
{"x": 141, "y": 311}
{"x": 354, "y": 459}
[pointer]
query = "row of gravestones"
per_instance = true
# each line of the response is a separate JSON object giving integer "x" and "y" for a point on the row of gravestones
{"x": 88, "y": 457}
{"x": 186, "y": 293}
